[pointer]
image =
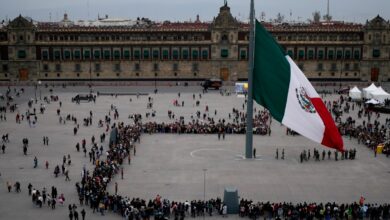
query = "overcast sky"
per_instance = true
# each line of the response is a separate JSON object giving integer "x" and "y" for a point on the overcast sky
{"x": 184, "y": 10}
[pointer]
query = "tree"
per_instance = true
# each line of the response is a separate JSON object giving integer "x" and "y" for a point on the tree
{"x": 316, "y": 16}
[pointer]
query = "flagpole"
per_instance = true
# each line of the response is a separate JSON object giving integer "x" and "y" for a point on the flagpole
{"x": 249, "y": 110}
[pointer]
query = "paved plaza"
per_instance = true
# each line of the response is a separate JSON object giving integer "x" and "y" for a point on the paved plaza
{"x": 172, "y": 165}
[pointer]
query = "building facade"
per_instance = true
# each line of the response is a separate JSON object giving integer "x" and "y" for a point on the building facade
{"x": 111, "y": 49}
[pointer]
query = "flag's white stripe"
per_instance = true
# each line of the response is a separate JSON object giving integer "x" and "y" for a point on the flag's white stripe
{"x": 307, "y": 124}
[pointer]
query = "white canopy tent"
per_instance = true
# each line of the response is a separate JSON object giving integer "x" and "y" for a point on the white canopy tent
{"x": 373, "y": 101}
{"x": 380, "y": 95}
{"x": 355, "y": 93}
{"x": 368, "y": 90}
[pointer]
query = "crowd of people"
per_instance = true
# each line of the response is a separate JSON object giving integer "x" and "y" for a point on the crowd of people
{"x": 92, "y": 189}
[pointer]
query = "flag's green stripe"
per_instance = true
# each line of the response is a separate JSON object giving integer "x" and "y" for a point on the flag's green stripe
{"x": 271, "y": 73}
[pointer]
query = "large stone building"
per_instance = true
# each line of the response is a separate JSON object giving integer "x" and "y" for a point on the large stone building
{"x": 110, "y": 49}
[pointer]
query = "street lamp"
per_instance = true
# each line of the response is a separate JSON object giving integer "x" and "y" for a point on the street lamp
{"x": 40, "y": 92}
{"x": 35, "y": 91}
{"x": 204, "y": 191}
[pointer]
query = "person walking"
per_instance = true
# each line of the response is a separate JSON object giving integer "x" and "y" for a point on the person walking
{"x": 283, "y": 154}
{"x": 277, "y": 153}
{"x": 67, "y": 175}
{"x": 254, "y": 152}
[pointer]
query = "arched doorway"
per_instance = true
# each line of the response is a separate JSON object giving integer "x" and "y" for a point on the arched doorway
{"x": 224, "y": 74}
{"x": 23, "y": 74}
{"x": 374, "y": 74}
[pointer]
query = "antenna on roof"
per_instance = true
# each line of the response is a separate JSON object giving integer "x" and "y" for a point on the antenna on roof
{"x": 88, "y": 9}
{"x": 327, "y": 12}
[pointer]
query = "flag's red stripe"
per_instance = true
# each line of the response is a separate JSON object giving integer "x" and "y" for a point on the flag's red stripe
{"x": 332, "y": 137}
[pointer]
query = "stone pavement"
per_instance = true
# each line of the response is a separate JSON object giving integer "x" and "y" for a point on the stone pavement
{"x": 172, "y": 165}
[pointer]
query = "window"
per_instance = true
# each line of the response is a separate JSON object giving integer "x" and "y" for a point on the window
{"x": 87, "y": 54}
{"x": 165, "y": 54}
{"x": 137, "y": 54}
{"x": 45, "y": 67}
{"x": 347, "y": 66}
{"x": 205, "y": 54}
{"x": 376, "y": 53}
{"x": 126, "y": 54}
{"x": 195, "y": 54}
{"x": 347, "y": 54}
{"x": 301, "y": 54}
{"x": 77, "y": 67}
{"x": 96, "y": 54}
{"x": 117, "y": 67}
{"x": 137, "y": 67}
{"x": 175, "y": 54}
{"x": 156, "y": 54}
{"x": 290, "y": 53}
{"x": 146, "y": 54}
{"x": 333, "y": 67}
{"x": 339, "y": 54}
{"x": 195, "y": 67}
{"x": 185, "y": 54}
{"x": 45, "y": 55}
{"x": 67, "y": 54}
{"x": 243, "y": 55}
{"x": 175, "y": 67}
{"x": 224, "y": 53}
{"x": 320, "y": 66}
{"x": 155, "y": 67}
{"x": 117, "y": 54}
{"x": 77, "y": 54}
{"x": 311, "y": 54}
{"x": 58, "y": 67}
{"x": 356, "y": 66}
{"x": 331, "y": 54}
{"x": 106, "y": 54}
{"x": 320, "y": 54}
{"x": 22, "y": 54}
{"x": 356, "y": 55}
{"x": 97, "y": 67}
{"x": 5, "y": 67}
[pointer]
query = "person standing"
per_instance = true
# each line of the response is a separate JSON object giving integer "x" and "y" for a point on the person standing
{"x": 35, "y": 162}
{"x": 277, "y": 153}
{"x": 75, "y": 215}
{"x": 3, "y": 148}
{"x": 283, "y": 154}
{"x": 83, "y": 214}
{"x": 254, "y": 152}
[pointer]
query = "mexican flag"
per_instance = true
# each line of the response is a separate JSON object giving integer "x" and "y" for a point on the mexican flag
{"x": 281, "y": 87}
